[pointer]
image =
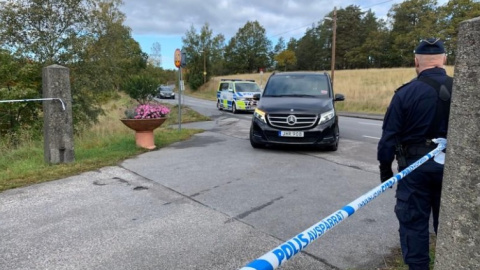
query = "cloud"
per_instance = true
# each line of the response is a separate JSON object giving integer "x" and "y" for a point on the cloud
{"x": 280, "y": 18}
{"x": 167, "y": 21}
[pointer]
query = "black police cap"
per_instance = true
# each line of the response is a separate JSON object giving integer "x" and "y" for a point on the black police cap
{"x": 430, "y": 46}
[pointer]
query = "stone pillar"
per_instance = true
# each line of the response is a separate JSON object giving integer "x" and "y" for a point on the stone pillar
{"x": 57, "y": 123}
{"x": 458, "y": 242}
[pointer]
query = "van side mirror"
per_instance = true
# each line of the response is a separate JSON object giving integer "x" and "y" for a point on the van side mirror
{"x": 339, "y": 97}
{"x": 256, "y": 96}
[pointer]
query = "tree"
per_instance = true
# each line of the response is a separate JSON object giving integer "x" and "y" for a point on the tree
{"x": 350, "y": 34}
{"x": 106, "y": 56}
{"x": 155, "y": 57}
{"x": 87, "y": 36}
{"x": 375, "y": 50}
{"x": 412, "y": 21}
{"x": 216, "y": 54}
{"x": 292, "y": 44}
{"x": 452, "y": 14}
{"x": 313, "y": 50}
{"x": 373, "y": 38}
{"x": 20, "y": 80}
{"x": 306, "y": 47}
{"x": 44, "y": 30}
{"x": 249, "y": 49}
{"x": 109, "y": 50}
{"x": 201, "y": 49}
{"x": 280, "y": 46}
{"x": 285, "y": 59}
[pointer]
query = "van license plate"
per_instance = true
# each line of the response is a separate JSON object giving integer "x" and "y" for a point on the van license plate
{"x": 290, "y": 133}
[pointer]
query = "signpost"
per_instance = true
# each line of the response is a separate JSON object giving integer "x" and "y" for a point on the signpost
{"x": 178, "y": 64}
{"x": 261, "y": 77}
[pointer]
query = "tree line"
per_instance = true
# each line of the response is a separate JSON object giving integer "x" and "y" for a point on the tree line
{"x": 362, "y": 41}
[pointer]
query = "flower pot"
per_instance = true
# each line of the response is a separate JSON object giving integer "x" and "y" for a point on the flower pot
{"x": 144, "y": 130}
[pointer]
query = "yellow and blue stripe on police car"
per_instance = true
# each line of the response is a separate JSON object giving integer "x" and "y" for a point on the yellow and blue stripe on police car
{"x": 239, "y": 99}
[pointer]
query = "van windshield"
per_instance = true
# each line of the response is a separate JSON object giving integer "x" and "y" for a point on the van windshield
{"x": 247, "y": 87}
{"x": 297, "y": 85}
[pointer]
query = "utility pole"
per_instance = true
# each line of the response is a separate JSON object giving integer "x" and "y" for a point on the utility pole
{"x": 204, "y": 67}
{"x": 334, "y": 38}
{"x": 334, "y": 41}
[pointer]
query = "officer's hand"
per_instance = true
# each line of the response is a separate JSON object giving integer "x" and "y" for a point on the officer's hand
{"x": 385, "y": 172}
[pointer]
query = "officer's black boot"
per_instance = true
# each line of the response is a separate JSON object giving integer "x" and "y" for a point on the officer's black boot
{"x": 418, "y": 266}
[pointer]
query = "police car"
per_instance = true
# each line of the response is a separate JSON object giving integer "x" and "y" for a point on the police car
{"x": 237, "y": 95}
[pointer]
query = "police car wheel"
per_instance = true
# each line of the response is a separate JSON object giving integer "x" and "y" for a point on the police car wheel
{"x": 234, "y": 108}
{"x": 219, "y": 106}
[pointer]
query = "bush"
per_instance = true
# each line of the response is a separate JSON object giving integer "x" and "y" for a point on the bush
{"x": 195, "y": 80}
{"x": 142, "y": 88}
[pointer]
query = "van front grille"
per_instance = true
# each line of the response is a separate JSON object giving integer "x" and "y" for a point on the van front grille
{"x": 292, "y": 121}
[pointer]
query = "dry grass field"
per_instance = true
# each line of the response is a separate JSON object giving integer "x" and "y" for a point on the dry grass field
{"x": 365, "y": 90}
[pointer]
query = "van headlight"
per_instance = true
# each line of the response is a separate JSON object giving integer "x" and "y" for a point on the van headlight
{"x": 260, "y": 115}
{"x": 325, "y": 117}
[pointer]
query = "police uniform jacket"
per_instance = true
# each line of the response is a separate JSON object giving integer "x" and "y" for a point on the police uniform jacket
{"x": 409, "y": 115}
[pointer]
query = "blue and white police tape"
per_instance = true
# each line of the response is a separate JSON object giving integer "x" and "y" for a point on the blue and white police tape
{"x": 287, "y": 250}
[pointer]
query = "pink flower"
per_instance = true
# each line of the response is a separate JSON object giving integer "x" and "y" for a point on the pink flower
{"x": 149, "y": 111}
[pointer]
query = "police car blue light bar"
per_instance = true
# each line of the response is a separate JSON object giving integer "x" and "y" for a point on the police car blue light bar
{"x": 279, "y": 255}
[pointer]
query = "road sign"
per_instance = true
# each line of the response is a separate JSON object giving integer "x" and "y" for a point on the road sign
{"x": 182, "y": 85}
{"x": 183, "y": 62}
{"x": 178, "y": 58}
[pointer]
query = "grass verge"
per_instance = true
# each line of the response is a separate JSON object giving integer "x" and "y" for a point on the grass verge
{"x": 106, "y": 143}
{"x": 394, "y": 260}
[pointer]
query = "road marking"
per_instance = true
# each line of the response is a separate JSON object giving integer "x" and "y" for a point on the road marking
{"x": 371, "y": 124}
{"x": 365, "y": 136}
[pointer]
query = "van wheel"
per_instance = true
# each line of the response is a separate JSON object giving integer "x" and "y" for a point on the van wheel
{"x": 334, "y": 147}
{"x": 234, "y": 108}
{"x": 219, "y": 106}
{"x": 253, "y": 143}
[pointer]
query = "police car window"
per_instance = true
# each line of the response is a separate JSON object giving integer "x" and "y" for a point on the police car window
{"x": 298, "y": 85}
{"x": 247, "y": 87}
{"x": 224, "y": 86}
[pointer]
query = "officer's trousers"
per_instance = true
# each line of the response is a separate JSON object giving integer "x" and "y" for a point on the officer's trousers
{"x": 418, "y": 196}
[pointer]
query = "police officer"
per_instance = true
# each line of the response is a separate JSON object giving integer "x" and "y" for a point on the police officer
{"x": 418, "y": 112}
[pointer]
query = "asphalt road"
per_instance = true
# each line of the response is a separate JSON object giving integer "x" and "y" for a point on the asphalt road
{"x": 212, "y": 202}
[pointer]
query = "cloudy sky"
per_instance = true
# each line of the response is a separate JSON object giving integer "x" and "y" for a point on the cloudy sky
{"x": 166, "y": 21}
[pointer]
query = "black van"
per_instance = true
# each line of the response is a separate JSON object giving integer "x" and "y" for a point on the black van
{"x": 296, "y": 108}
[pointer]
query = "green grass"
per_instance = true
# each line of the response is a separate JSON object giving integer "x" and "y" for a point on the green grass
{"x": 25, "y": 165}
{"x": 104, "y": 144}
{"x": 394, "y": 260}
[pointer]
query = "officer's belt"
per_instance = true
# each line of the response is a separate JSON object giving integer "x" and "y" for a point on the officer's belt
{"x": 414, "y": 150}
